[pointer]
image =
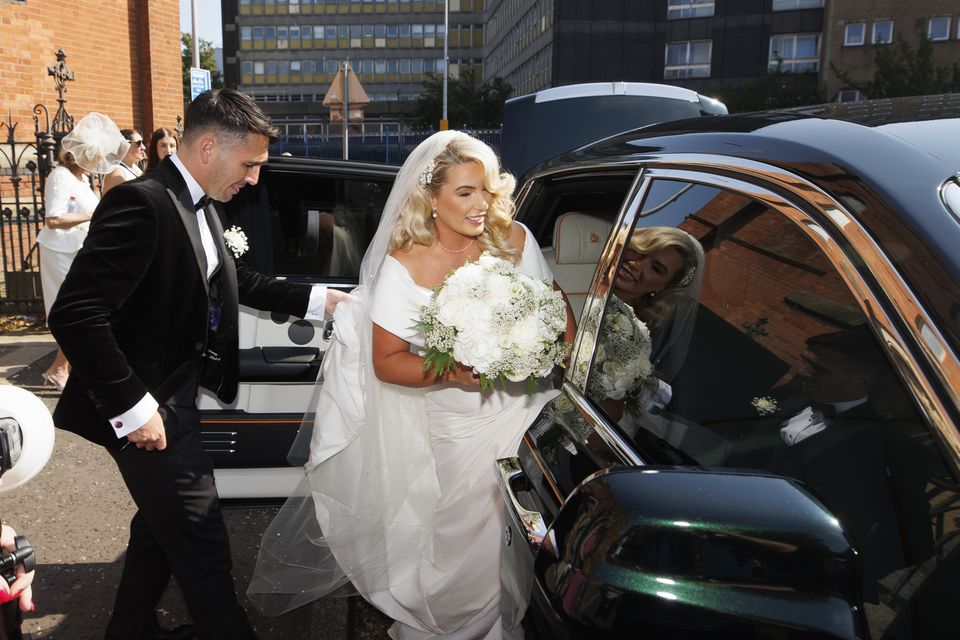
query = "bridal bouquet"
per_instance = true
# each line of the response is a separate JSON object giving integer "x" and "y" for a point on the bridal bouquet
{"x": 621, "y": 364}
{"x": 502, "y": 323}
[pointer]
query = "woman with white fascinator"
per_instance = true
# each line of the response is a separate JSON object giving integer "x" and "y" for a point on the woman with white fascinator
{"x": 400, "y": 497}
{"x": 93, "y": 146}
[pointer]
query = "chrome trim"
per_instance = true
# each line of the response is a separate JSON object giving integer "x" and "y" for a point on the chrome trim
{"x": 719, "y": 170}
{"x": 534, "y": 527}
{"x": 950, "y": 195}
{"x": 620, "y": 447}
{"x": 596, "y": 298}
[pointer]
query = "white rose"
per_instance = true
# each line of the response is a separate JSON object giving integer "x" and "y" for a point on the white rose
{"x": 475, "y": 350}
{"x": 499, "y": 289}
{"x": 453, "y": 313}
{"x": 621, "y": 324}
{"x": 524, "y": 334}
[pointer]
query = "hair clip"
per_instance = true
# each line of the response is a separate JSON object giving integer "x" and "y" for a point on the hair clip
{"x": 427, "y": 176}
{"x": 687, "y": 279}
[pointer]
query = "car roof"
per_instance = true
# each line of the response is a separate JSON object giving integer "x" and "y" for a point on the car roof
{"x": 904, "y": 155}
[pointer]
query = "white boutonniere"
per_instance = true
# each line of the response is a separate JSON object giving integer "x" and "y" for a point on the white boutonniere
{"x": 236, "y": 241}
{"x": 765, "y": 405}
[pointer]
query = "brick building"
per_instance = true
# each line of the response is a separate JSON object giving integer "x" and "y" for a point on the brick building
{"x": 125, "y": 56}
{"x": 852, "y": 27}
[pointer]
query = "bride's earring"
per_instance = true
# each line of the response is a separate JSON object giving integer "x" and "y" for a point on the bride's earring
{"x": 434, "y": 213}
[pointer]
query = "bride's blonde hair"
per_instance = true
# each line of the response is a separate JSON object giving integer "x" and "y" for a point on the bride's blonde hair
{"x": 654, "y": 309}
{"x": 415, "y": 222}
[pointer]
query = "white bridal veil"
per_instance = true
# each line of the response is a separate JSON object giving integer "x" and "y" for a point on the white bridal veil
{"x": 365, "y": 503}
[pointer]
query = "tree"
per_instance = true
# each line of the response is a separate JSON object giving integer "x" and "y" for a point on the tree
{"x": 775, "y": 89}
{"x": 207, "y": 61}
{"x": 901, "y": 70}
{"x": 467, "y": 104}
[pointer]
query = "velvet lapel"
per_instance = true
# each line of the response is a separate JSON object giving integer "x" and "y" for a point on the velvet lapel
{"x": 180, "y": 196}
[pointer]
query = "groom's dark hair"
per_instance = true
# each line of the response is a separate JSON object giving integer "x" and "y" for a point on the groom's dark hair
{"x": 230, "y": 114}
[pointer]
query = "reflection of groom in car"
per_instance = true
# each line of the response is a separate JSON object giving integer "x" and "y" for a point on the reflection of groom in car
{"x": 854, "y": 445}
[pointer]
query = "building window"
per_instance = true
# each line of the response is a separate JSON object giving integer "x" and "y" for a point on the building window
{"x": 855, "y": 34}
{"x": 794, "y": 52}
{"x": 688, "y": 59}
{"x": 282, "y": 41}
{"x": 882, "y": 32}
{"x": 848, "y": 95}
{"x": 938, "y": 28}
{"x": 790, "y": 5}
{"x": 689, "y": 8}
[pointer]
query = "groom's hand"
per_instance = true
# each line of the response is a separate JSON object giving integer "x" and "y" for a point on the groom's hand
{"x": 151, "y": 436}
{"x": 334, "y": 297}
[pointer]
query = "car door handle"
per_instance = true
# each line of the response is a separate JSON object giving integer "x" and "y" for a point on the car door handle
{"x": 534, "y": 527}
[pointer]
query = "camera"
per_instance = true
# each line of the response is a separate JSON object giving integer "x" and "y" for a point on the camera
{"x": 26, "y": 443}
{"x": 23, "y": 555}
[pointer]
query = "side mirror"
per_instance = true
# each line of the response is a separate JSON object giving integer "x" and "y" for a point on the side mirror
{"x": 674, "y": 552}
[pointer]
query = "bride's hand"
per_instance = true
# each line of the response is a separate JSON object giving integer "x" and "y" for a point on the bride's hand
{"x": 462, "y": 375}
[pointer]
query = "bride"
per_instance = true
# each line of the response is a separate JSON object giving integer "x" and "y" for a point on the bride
{"x": 400, "y": 497}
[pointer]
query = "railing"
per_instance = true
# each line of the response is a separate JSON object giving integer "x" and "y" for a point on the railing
{"x": 21, "y": 216}
{"x": 388, "y": 147}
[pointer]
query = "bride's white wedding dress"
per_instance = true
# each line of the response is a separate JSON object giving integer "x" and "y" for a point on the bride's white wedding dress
{"x": 407, "y": 498}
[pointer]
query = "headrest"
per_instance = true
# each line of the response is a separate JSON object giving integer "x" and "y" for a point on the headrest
{"x": 579, "y": 238}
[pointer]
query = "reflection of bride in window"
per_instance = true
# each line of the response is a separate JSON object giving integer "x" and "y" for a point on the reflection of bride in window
{"x": 659, "y": 281}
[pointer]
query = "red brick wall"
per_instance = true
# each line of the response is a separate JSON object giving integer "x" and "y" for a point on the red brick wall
{"x": 125, "y": 55}
{"x": 910, "y": 20}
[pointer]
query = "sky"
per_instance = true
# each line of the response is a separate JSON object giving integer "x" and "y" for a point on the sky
{"x": 209, "y": 25}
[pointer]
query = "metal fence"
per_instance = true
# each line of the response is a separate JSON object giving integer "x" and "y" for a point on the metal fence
{"x": 26, "y": 158}
{"x": 22, "y": 171}
{"x": 388, "y": 147}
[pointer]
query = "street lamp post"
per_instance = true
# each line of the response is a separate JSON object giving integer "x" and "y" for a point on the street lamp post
{"x": 196, "y": 44}
{"x": 444, "y": 124}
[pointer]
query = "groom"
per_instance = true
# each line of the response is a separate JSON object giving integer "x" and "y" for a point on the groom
{"x": 147, "y": 313}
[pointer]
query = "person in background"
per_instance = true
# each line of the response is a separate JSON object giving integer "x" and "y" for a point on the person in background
{"x": 93, "y": 145}
{"x": 128, "y": 167}
{"x": 163, "y": 142}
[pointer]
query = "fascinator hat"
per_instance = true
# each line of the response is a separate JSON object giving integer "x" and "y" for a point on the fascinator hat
{"x": 96, "y": 143}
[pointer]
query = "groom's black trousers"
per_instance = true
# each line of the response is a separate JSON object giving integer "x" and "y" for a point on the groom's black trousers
{"x": 179, "y": 530}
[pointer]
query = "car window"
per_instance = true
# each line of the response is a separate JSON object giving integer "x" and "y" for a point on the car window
{"x": 309, "y": 225}
{"x": 758, "y": 357}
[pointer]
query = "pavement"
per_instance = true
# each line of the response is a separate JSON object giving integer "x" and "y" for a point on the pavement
{"x": 76, "y": 514}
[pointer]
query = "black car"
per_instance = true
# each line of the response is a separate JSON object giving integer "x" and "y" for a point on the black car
{"x": 738, "y": 502}
{"x": 800, "y": 477}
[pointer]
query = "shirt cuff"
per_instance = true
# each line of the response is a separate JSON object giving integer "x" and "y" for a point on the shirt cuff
{"x": 318, "y": 301}
{"x": 134, "y": 418}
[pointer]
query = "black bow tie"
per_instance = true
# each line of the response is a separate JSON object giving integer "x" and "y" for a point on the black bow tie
{"x": 202, "y": 203}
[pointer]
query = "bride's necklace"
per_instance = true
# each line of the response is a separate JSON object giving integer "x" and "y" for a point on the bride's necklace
{"x": 465, "y": 247}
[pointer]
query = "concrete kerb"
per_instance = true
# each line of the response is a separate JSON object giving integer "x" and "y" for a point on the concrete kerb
{"x": 19, "y": 350}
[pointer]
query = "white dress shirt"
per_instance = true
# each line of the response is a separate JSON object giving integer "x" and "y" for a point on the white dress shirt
{"x": 138, "y": 415}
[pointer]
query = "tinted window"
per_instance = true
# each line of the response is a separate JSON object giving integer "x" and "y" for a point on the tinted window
{"x": 309, "y": 225}
{"x": 764, "y": 361}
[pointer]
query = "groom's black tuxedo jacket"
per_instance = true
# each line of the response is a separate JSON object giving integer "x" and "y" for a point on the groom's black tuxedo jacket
{"x": 132, "y": 314}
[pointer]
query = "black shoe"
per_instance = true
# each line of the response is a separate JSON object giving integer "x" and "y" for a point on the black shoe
{"x": 183, "y": 632}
